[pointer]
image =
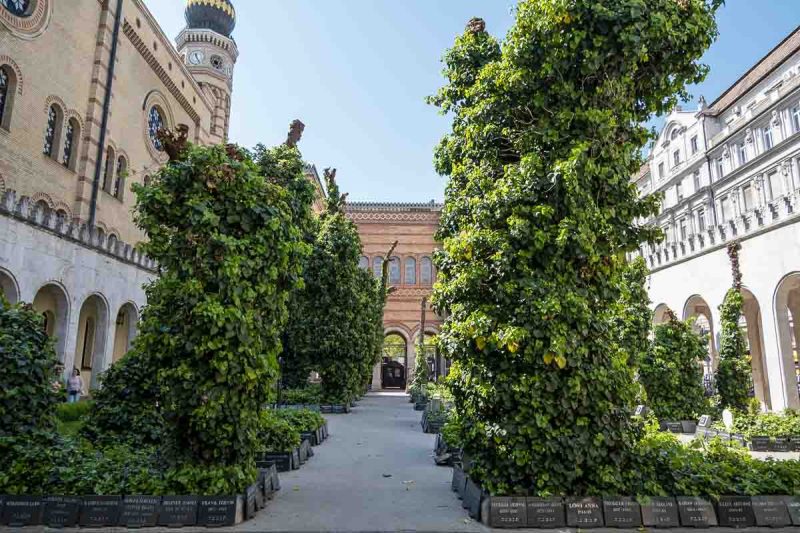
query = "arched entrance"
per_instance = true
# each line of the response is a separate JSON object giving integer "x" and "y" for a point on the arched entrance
{"x": 696, "y": 307}
{"x": 8, "y": 286}
{"x": 90, "y": 347}
{"x": 394, "y": 361}
{"x": 787, "y": 315}
{"x": 52, "y": 302}
{"x": 660, "y": 314}
{"x": 754, "y": 336}
{"x": 124, "y": 331}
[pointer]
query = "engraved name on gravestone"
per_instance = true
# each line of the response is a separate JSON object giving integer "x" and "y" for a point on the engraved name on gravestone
{"x": 640, "y": 410}
{"x": 546, "y": 513}
{"x": 660, "y": 511}
{"x": 584, "y": 512}
{"x": 704, "y": 422}
{"x": 100, "y": 511}
{"x": 507, "y": 512}
{"x": 61, "y": 511}
{"x": 139, "y": 511}
{"x": 760, "y": 444}
{"x": 216, "y": 511}
{"x": 792, "y": 505}
{"x": 795, "y": 443}
{"x": 781, "y": 444}
{"x": 696, "y": 512}
{"x": 770, "y": 511}
{"x": 675, "y": 427}
{"x": 22, "y": 511}
{"x": 621, "y": 512}
{"x": 735, "y": 511}
{"x": 178, "y": 511}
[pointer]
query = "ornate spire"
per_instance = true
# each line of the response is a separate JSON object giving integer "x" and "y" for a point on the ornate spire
{"x": 215, "y": 15}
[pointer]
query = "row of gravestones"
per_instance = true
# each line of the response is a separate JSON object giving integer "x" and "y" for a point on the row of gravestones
{"x": 139, "y": 511}
{"x": 658, "y": 512}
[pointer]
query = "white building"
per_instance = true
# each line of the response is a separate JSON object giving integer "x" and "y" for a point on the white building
{"x": 731, "y": 171}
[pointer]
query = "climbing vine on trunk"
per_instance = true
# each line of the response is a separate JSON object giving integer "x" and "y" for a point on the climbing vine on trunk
{"x": 539, "y": 212}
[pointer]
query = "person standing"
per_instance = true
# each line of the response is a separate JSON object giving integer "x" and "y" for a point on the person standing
{"x": 74, "y": 386}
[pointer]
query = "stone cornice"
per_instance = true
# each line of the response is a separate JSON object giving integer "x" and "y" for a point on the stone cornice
{"x": 382, "y": 217}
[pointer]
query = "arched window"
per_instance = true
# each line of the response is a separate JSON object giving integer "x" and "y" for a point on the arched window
{"x": 363, "y": 262}
{"x": 51, "y": 133}
{"x": 119, "y": 181}
{"x": 674, "y": 134}
{"x": 18, "y": 8}
{"x": 71, "y": 136}
{"x": 394, "y": 270}
{"x": 7, "y": 88}
{"x": 155, "y": 122}
{"x": 411, "y": 271}
{"x": 377, "y": 266}
{"x": 426, "y": 271}
{"x": 108, "y": 172}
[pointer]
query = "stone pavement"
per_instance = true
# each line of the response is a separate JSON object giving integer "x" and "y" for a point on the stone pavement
{"x": 374, "y": 473}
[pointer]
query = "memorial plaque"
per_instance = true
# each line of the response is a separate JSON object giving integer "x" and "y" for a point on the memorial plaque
{"x": 282, "y": 461}
{"x": 140, "y": 511}
{"x": 507, "y": 512}
{"x": 770, "y": 511}
{"x": 178, "y": 511}
{"x": 250, "y": 505}
{"x": 696, "y": 512}
{"x": 546, "y": 513}
{"x": 781, "y": 444}
{"x": 457, "y": 485}
{"x": 735, "y": 511}
{"x": 21, "y": 511}
{"x": 296, "y": 459}
{"x": 675, "y": 427}
{"x": 640, "y": 410}
{"x": 760, "y": 444}
{"x": 584, "y": 512}
{"x": 216, "y": 511}
{"x": 792, "y": 505}
{"x": 276, "y": 480}
{"x": 622, "y": 512}
{"x": 660, "y": 511}
{"x": 100, "y": 511}
{"x": 704, "y": 422}
{"x": 61, "y": 511}
{"x": 795, "y": 442}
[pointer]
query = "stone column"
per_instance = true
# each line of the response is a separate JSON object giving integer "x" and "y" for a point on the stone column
{"x": 778, "y": 357}
{"x": 411, "y": 361}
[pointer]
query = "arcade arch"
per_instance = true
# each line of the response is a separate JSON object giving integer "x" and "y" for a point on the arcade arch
{"x": 52, "y": 302}
{"x": 787, "y": 316}
{"x": 124, "y": 330}
{"x": 90, "y": 347}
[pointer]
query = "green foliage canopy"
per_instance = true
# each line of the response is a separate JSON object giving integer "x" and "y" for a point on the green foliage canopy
{"x": 547, "y": 131}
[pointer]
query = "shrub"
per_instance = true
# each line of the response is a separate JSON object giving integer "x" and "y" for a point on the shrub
{"x": 303, "y": 420}
{"x": 73, "y": 412}
{"x": 539, "y": 211}
{"x": 308, "y": 395}
{"x": 276, "y": 433}
{"x": 672, "y": 374}
{"x": 28, "y": 397}
{"x": 756, "y": 424}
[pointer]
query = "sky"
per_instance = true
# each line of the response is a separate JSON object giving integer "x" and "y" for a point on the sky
{"x": 357, "y": 72}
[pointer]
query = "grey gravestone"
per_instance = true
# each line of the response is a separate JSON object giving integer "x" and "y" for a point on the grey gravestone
{"x": 546, "y": 513}
{"x": 61, "y": 511}
{"x": 250, "y": 502}
{"x": 216, "y": 511}
{"x": 140, "y": 511}
{"x": 760, "y": 444}
{"x": 178, "y": 511}
{"x": 584, "y": 512}
{"x": 640, "y": 410}
{"x": 622, "y": 512}
{"x": 795, "y": 443}
{"x": 792, "y": 505}
{"x": 100, "y": 511}
{"x": 675, "y": 427}
{"x": 781, "y": 444}
{"x": 660, "y": 511}
{"x": 507, "y": 512}
{"x": 735, "y": 511}
{"x": 704, "y": 422}
{"x": 458, "y": 480}
{"x": 472, "y": 498}
{"x": 696, "y": 512}
{"x": 276, "y": 480}
{"x": 22, "y": 511}
{"x": 770, "y": 511}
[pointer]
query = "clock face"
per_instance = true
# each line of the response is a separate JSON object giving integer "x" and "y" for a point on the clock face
{"x": 196, "y": 57}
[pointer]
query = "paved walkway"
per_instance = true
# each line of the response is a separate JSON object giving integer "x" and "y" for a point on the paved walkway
{"x": 345, "y": 486}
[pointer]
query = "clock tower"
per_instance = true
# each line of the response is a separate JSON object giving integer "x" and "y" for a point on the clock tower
{"x": 210, "y": 54}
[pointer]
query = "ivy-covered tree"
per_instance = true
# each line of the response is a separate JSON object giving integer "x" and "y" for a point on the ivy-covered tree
{"x": 734, "y": 374}
{"x": 547, "y": 131}
{"x": 634, "y": 319}
{"x": 672, "y": 372}
{"x": 228, "y": 255}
